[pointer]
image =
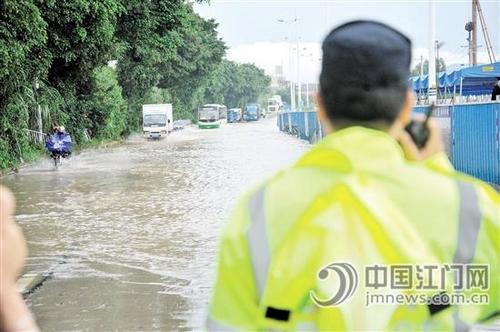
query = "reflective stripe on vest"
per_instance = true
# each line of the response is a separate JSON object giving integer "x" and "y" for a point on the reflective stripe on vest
{"x": 469, "y": 223}
{"x": 258, "y": 244}
{"x": 260, "y": 254}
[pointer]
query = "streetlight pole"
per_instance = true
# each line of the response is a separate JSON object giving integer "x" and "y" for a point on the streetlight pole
{"x": 438, "y": 46}
{"x": 39, "y": 120}
{"x": 290, "y": 72}
{"x": 299, "y": 84}
{"x": 292, "y": 83}
{"x": 307, "y": 95}
{"x": 311, "y": 58}
{"x": 432, "y": 53}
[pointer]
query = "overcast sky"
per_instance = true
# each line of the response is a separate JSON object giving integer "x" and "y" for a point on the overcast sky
{"x": 253, "y": 34}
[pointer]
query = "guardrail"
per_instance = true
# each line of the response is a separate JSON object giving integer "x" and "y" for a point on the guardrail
{"x": 473, "y": 139}
{"x": 36, "y": 136}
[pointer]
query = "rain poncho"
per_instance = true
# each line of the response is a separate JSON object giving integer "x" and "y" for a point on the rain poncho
{"x": 59, "y": 142}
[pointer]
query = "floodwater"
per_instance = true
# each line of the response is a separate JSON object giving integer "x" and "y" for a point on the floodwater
{"x": 130, "y": 233}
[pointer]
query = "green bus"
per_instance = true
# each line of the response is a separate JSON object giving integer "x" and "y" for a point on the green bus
{"x": 211, "y": 116}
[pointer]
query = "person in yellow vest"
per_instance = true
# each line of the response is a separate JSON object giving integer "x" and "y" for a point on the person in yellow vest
{"x": 365, "y": 231}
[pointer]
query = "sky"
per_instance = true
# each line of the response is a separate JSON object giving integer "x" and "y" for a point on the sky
{"x": 253, "y": 33}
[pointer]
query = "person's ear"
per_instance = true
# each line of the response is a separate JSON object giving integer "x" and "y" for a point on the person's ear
{"x": 405, "y": 115}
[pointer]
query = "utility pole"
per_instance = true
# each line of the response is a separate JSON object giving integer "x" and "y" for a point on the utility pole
{"x": 432, "y": 94}
{"x": 472, "y": 27}
{"x": 474, "y": 33}
{"x": 469, "y": 27}
{"x": 486, "y": 35}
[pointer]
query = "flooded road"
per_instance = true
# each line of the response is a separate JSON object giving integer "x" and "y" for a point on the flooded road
{"x": 130, "y": 233}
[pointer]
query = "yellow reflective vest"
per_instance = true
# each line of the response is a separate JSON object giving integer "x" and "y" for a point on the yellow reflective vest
{"x": 354, "y": 201}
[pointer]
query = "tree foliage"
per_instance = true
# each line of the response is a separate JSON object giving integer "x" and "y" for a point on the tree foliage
{"x": 146, "y": 38}
{"x": 22, "y": 59}
{"x": 173, "y": 50}
{"x": 236, "y": 84}
{"x": 440, "y": 66}
{"x": 109, "y": 117}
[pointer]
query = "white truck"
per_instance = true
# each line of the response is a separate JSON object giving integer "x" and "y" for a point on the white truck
{"x": 274, "y": 104}
{"x": 157, "y": 120}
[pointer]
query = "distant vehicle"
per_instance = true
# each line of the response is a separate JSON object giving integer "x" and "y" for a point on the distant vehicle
{"x": 157, "y": 120}
{"x": 274, "y": 104}
{"x": 252, "y": 112}
{"x": 211, "y": 116}
{"x": 181, "y": 124}
{"x": 234, "y": 115}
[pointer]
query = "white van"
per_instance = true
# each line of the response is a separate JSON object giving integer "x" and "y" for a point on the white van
{"x": 157, "y": 120}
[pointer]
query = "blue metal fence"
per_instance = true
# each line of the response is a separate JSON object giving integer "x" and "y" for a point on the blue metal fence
{"x": 304, "y": 125}
{"x": 475, "y": 139}
{"x": 474, "y": 145}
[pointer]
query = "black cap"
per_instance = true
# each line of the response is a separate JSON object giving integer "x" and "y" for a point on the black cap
{"x": 367, "y": 55}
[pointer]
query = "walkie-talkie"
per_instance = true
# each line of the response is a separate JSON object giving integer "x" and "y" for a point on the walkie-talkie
{"x": 419, "y": 132}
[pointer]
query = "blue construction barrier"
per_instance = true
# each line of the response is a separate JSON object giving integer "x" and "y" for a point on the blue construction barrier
{"x": 473, "y": 140}
{"x": 304, "y": 125}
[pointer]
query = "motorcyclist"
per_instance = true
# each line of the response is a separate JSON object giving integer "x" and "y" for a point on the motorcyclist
{"x": 59, "y": 143}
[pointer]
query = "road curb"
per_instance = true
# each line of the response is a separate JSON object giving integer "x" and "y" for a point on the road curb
{"x": 29, "y": 282}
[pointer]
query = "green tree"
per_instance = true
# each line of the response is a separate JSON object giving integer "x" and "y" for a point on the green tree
{"x": 440, "y": 66}
{"x": 197, "y": 57}
{"x": 109, "y": 116}
{"x": 81, "y": 38}
{"x": 22, "y": 61}
{"x": 146, "y": 38}
{"x": 237, "y": 84}
{"x": 167, "y": 46}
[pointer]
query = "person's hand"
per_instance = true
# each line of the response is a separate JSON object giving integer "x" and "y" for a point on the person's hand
{"x": 14, "y": 314}
{"x": 433, "y": 146}
{"x": 12, "y": 244}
